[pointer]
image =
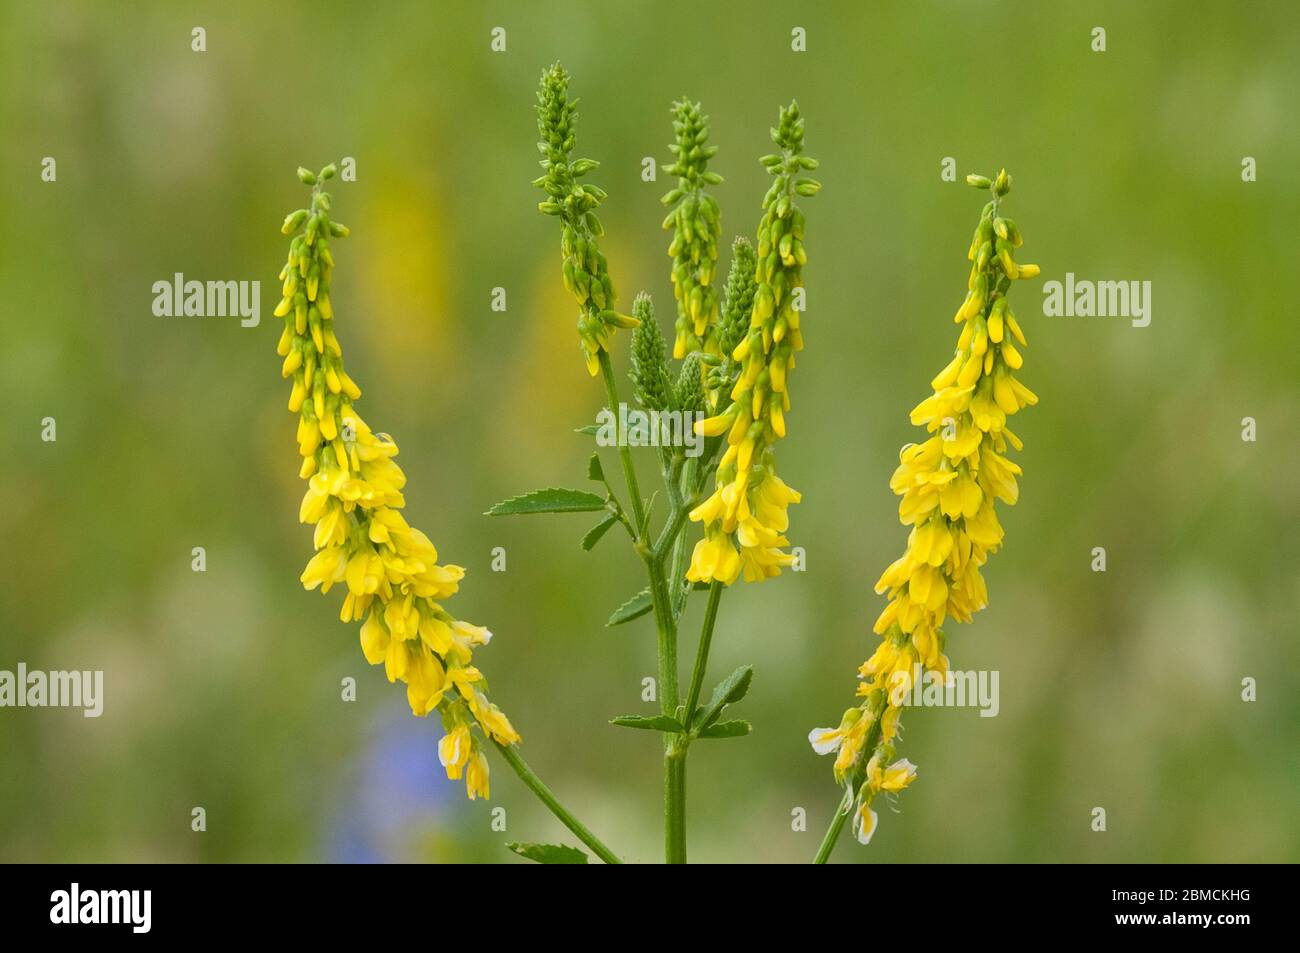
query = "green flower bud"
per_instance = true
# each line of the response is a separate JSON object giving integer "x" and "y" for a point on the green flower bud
{"x": 689, "y": 391}
{"x": 649, "y": 365}
{"x": 738, "y": 296}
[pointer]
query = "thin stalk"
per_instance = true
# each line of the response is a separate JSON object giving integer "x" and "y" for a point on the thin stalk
{"x": 535, "y": 785}
{"x": 681, "y": 589}
{"x": 676, "y": 520}
{"x": 702, "y": 654}
{"x": 675, "y": 802}
{"x": 667, "y": 638}
{"x": 666, "y": 626}
{"x": 674, "y": 768}
{"x": 624, "y": 452}
{"x": 837, "y": 825}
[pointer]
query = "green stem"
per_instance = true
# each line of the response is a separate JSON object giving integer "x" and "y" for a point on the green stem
{"x": 675, "y": 801}
{"x": 674, "y": 766}
{"x": 676, "y": 520}
{"x": 624, "y": 452}
{"x": 677, "y": 746}
{"x": 702, "y": 655}
{"x": 837, "y": 824}
{"x": 666, "y": 626}
{"x": 535, "y": 784}
{"x": 687, "y": 497}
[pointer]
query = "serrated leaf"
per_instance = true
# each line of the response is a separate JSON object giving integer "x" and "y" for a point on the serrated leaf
{"x": 594, "y": 469}
{"x": 634, "y": 608}
{"x": 596, "y": 532}
{"x": 648, "y": 722}
{"x": 549, "y": 853}
{"x": 727, "y": 729}
{"x": 549, "y": 500}
{"x": 729, "y": 691}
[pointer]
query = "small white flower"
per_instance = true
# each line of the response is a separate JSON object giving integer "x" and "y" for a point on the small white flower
{"x": 864, "y": 824}
{"x": 825, "y": 740}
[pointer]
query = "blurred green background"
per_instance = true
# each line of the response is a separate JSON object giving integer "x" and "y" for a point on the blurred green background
{"x": 1120, "y": 690}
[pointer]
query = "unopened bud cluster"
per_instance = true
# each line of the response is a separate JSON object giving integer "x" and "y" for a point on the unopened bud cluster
{"x": 586, "y": 274}
{"x": 696, "y": 224}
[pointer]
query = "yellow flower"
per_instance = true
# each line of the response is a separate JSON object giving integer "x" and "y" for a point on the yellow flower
{"x": 476, "y": 777}
{"x": 454, "y": 751}
{"x": 948, "y": 485}
{"x": 714, "y": 557}
{"x": 395, "y": 585}
{"x": 893, "y": 778}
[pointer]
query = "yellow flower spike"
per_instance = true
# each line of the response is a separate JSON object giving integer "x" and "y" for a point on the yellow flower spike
{"x": 752, "y": 509}
{"x": 394, "y": 584}
{"x": 948, "y": 487}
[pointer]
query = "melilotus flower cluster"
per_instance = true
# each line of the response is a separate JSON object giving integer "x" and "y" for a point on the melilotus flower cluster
{"x": 745, "y": 519}
{"x": 696, "y": 224}
{"x": 395, "y": 585}
{"x": 949, "y": 484}
{"x": 586, "y": 274}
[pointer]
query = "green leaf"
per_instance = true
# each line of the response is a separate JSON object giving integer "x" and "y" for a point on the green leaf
{"x": 590, "y": 430}
{"x": 648, "y": 722}
{"x": 727, "y": 729}
{"x": 550, "y": 500}
{"x": 594, "y": 470}
{"x": 596, "y": 532}
{"x": 549, "y": 853}
{"x": 634, "y": 608}
{"x": 729, "y": 691}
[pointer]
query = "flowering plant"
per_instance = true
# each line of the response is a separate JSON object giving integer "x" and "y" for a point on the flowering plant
{"x": 736, "y": 345}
